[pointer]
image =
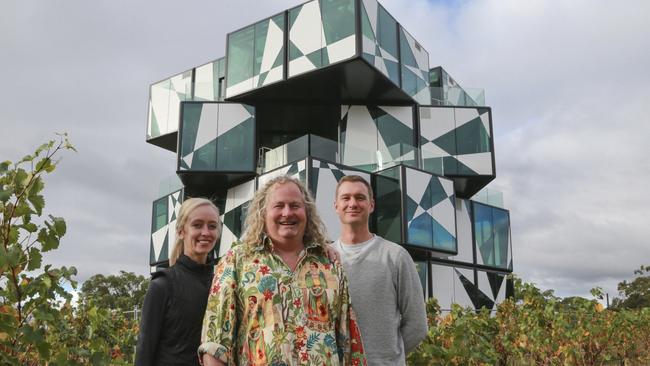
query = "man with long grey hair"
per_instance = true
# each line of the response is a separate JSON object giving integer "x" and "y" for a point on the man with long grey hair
{"x": 276, "y": 298}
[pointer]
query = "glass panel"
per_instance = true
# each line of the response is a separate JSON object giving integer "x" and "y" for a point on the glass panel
{"x": 159, "y": 214}
{"x": 204, "y": 80}
{"x": 294, "y": 52}
{"x": 240, "y": 56}
{"x": 387, "y": 31}
{"x": 435, "y": 77}
{"x": 323, "y": 148}
{"x": 191, "y": 118}
{"x": 235, "y": 152}
{"x": 338, "y": 19}
{"x": 483, "y": 233}
{"x": 501, "y": 237}
{"x": 409, "y": 81}
{"x": 159, "y": 108}
{"x": 205, "y": 157}
{"x": 261, "y": 29}
{"x": 423, "y": 269}
{"x": 490, "y": 197}
{"x": 388, "y": 203}
{"x": 431, "y": 161}
{"x": 297, "y": 149}
{"x": 472, "y": 137}
{"x": 169, "y": 185}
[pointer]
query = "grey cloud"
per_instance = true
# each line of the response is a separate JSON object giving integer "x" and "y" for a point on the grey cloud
{"x": 567, "y": 82}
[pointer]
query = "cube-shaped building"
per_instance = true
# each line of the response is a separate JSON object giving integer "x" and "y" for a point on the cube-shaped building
{"x": 326, "y": 89}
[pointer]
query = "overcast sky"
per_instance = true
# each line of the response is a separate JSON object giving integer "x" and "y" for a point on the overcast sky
{"x": 568, "y": 83}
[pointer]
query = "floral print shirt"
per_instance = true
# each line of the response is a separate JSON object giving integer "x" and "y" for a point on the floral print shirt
{"x": 260, "y": 312}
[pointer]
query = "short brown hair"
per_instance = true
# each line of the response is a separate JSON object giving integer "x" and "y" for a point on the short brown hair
{"x": 354, "y": 178}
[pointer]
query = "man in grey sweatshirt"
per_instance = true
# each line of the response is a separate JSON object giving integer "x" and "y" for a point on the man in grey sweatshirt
{"x": 384, "y": 285}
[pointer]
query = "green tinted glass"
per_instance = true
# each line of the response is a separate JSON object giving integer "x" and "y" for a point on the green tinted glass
{"x": 338, "y": 19}
{"x": 387, "y": 32}
{"x": 191, "y": 118}
{"x": 159, "y": 214}
{"x": 388, "y": 205}
{"x": 240, "y": 55}
{"x": 235, "y": 152}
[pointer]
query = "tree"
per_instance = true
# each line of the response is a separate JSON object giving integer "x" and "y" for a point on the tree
{"x": 38, "y": 324}
{"x": 118, "y": 292}
{"x": 635, "y": 294}
{"x": 29, "y": 290}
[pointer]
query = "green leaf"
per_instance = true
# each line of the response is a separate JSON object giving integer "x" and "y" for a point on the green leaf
{"x": 44, "y": 147}
{"x": 5, "y": 194}
{"x": 45, "y": 164}
{"x": 48, "y": 239}
{"x": 59, "y": 225}
{"x": 14, "y": 255}
{"x": 30, "y": 227}
{"x": 20, "y": 179}
{"x": 38, "y": 202}
{"x": 35, "y": 259}
{"x": 4, "y": 166}
{"x": 22, "y": 209}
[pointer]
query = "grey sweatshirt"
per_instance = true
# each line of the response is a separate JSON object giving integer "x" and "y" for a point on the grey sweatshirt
{"x": 387, "y": 297}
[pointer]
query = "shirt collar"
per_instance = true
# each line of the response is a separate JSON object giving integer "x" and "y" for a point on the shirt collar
{"x": 268, "y": 245}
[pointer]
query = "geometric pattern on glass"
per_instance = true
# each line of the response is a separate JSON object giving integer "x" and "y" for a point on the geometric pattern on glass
{"x": 164, "y": 103}
{"x": 323, "y": 178}
{"x": 163, "y": 235}
{"x": 217, "y": 137}
{"x": 295, "y": 170}
{"x": 430, "y": 211}
{"x": 255, "y": 56}
{"x": 415, "y": 68}
{"x": 492, "y": 236}
{"x": 234, "y": 214}
{"x": 207, "y": 86}
{"x": 456, "y": 141}
{"x": 492, "y": 285}
{"x": 479, "y": 299}
{"x": 376, "y": 137}
{"x": 388, "y": 204}
{"x": 450, "y": 286}
{"x": 379, "y": 39}
{"x": 464, "y": 232}
{"x": 320, "y": 33}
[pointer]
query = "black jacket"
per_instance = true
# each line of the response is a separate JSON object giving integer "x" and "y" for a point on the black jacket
{"x": 172, "y": 316}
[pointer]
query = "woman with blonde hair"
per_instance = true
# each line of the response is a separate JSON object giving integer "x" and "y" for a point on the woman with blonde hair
{"x": 170, "y": 329}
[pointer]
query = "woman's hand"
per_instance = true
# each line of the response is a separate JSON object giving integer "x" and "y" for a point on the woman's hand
{"x": 332, "y": 253}
{"x": 210, "y": 360}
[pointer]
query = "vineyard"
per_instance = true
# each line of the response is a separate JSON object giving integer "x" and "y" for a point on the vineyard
{"x": 41, "y": 325}
{"x": 536, "y": 328}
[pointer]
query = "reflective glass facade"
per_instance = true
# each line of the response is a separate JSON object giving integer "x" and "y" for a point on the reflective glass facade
{"x": 217, "y": 137}
{"x": 203, "y": 83}
{"x": 492, "y": 235}
{"x": 255, "y": 55}
{"x": 374, "y": 138}
{"x": 327, "y": 89}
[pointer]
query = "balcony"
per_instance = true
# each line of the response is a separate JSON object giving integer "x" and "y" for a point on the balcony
{"x": 446, "y": 91}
